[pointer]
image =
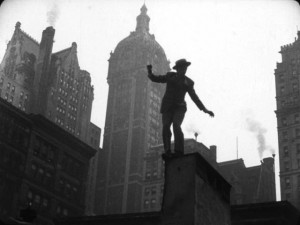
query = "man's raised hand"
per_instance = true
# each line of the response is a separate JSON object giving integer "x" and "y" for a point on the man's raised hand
{"x": 149, "y": 68}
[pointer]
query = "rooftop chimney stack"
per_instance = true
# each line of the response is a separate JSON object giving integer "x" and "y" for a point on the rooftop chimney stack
{"x": 196, "y": 135}
{"x": 40, "y": 85}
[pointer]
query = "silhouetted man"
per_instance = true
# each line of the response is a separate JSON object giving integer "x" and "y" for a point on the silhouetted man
{"x": 173, "y": 106}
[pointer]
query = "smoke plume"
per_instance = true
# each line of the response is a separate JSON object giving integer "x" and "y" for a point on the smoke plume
{"x": 259, "y": 131}
{"x": 191, "y": 128}
{"x": 52, "y": 15}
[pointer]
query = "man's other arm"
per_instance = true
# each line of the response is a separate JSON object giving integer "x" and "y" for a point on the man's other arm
{"x": 197, "y": 101}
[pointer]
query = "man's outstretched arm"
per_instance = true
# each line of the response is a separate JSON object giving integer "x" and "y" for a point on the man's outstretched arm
{"x": 198, "y": 102}
{"x": 158, "y": 78}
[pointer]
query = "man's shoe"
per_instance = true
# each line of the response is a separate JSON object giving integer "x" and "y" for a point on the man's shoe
{"x": 167, "y": 154}
{"x": 177, "y": 154}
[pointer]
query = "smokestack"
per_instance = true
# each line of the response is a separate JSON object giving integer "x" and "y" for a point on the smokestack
{"x": 40, "y": 85}
{"x": 196, "y": 135}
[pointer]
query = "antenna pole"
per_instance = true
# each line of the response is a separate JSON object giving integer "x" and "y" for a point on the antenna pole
{"x": 237, "y": 147}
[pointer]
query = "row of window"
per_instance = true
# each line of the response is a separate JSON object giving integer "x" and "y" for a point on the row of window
{"x": 69, "y": 189}
{"x": 44, "y": 150}
{"x": 287, "y": 165}
{"x": 151, "y": 175}
{"x": 38, "y": 201}
{"x": 295, "y": 88}
{"x": 286, "y": 151}
{"x": 285, "y": 136}
{"x": 153, "y": 190}
{"x": 72, "y": 166}
{"x": 150, "y": 203}
{"x": 284, "y": 120}
{"x": 13, "y": 132}
{"x": 42, "y": 175}
{"x": 291, "y": 101}
{"x": 11, "y": 160}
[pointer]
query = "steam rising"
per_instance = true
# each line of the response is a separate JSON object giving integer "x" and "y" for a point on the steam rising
{"x": 53, "y": 15}
{"x": 192, "y": 128}
{"x": 259, "y": 131}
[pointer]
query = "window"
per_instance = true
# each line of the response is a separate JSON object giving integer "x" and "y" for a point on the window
{"x": 13, "y": 88}
{"x": 298, "y": 148}
{"x": 8, "y": 86}
{"x": 284, "y": 122}
{"x": 153, "y": 203}
{"x": 287, "y": 182}
{"x": 153, "y": 190}
{"x": 147, "y": 191}
{"x": 295, "y": 87}
{"x": 297, "y": 132}
{"x": 286, "y": 166}
{"x": 284, "y": 136}
{"x": 37, "y": 199}
{"x": 148, "y": 175}
{"x": 282, "y": 89}
{"x": 297, "y": 118}
{"x": 281, "y": 78}
{"x": 287, "y": 196}
{"x": 146, "y": 204}
{"x": 286, "y": 151}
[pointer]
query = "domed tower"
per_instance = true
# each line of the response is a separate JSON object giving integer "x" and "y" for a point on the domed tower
{"x": 133, "y": 121}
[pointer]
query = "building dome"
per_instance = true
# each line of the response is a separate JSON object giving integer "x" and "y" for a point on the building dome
{"x": 137, "y": 50}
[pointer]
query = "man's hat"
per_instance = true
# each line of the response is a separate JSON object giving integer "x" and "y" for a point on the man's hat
{"x": 181, "y": 63}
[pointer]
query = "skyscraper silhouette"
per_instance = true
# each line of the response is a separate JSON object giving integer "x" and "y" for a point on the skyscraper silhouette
{"x": 132, "y": 123}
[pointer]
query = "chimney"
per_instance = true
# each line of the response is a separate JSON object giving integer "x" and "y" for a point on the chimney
{"x": 213, "y": 149}
{"x": 196, "y": 135}
{"x": 268, "y": 162}
{"x": 40, "y": 85}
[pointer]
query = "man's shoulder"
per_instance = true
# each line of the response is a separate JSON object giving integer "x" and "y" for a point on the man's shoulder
{"x": 171, "y": 74}
{"x": 189, "y": 81}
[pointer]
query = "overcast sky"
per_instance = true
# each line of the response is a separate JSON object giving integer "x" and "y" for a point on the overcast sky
{"x": 233, "y": 46}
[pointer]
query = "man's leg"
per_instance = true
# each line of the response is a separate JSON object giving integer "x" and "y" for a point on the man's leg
{"x": 167, "y": 118}
{"x": 178, "y": 134}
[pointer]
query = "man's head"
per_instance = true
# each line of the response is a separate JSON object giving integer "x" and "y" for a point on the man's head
{"x": 181, "y": 66}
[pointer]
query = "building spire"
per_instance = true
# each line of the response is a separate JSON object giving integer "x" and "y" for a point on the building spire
{"x": 142, "y": 20}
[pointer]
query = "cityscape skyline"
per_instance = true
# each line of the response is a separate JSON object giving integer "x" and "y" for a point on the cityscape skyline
{"x": 215, "y": 47}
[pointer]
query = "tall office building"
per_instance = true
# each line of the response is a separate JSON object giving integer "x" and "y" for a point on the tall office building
{"x": 287, "y": 80}
{"x": 35, "y": 80}
{"x": 132, "y": 123}
{"x": 41, "y": 164}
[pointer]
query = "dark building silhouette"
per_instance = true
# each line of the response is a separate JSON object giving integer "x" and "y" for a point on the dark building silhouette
{"x": 132, "y": 122}
{"x": 287, "y": 81}
{"x": 41, "y": 164}
{"x": 38, "y": 81}
{"x": 249, "y": 184}
{"x": 195, "y": 193}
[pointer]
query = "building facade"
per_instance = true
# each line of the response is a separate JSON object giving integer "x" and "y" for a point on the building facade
{"x": 132, "y": 122}
{"x": 38, "y": 81}
{"x": 287, "y": 81}
{"x": 250, "y": 184}
{"x": 40, "y": 164}
{"x": 35, "y": 80}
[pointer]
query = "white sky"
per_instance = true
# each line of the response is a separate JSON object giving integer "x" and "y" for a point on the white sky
{"x": 233, "y": 46}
